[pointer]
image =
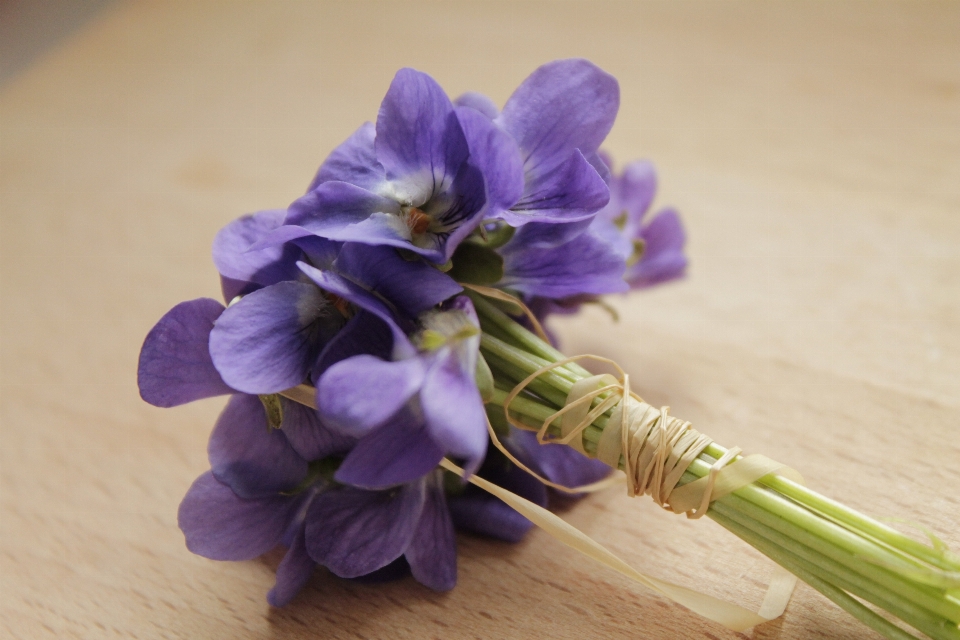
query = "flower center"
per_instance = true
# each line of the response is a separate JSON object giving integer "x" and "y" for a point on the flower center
{"x": 339, "y": 304}
{"x": 417, "y": 221}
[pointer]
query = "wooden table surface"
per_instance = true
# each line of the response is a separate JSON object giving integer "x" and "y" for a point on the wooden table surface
{"x": 812, "y": 148}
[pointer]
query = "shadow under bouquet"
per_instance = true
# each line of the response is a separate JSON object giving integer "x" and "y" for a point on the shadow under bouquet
{"x": 390, "y": 380}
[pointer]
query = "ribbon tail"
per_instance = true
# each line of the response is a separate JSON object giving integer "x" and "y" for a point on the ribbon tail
{"x": 731, "y": 616}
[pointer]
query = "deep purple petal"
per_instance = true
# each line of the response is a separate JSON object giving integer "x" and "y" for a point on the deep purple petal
{"x": 357, "y": 295}
{"x": 243, "y": 271}
{"x": 585, "y": 265}
{"x": 412, "y": 286}
{"x": 480, "y": 102}
{"x": 564, "y": 465}
{"x": 419, "y": 141}
{"x": 354, "y": 161}
{"x": 497, "y": 156}
{"x": 269, "y": 340}
{"x": 342, "y": 211}
{"x": 454, "y": 411}
{"x": 432, "y": 553}
{"x": 175, "y": 365}
{"x": 457, "y": 210}
{"x": 488, "y": 516}
{"x": 250, "y": 457}
{"x": 361, "y": 393}
{"x": 294, "y": 572}
{"x": 571, "y": 190}
{"x": 354, "y": 532}
{"x": 402, "y": 450}
{"x": 364, "y": 333}
{"x": 563, "y": 105}
{"x": 220, "y": 525}
{"x": 319, "y": 252}
{"x": 548, "y": 235}
{"x": 309, "y": 437}
{"x": 479, "y": 512}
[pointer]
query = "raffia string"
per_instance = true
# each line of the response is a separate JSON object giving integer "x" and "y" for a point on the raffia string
{"x": 653, "y": 447}
{"x": 730, "y": 615}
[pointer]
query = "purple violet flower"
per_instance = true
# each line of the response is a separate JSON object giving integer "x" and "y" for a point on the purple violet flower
{"x": 653, "y": 250}
{"x": 262, "y": 493}
{"x": 560, "y": 464}
{"x": 421, "y": 179}
{"x": 558, "y": 116}
{"x": 583, "y": 265}
{"x": 283, "y": 332}
{"x": 266, "y": 485}
{"x": 411, "y": 411}
{"x": 615, "y": 252}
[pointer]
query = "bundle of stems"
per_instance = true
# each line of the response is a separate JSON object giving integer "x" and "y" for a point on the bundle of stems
{"x": 848, "y": 557}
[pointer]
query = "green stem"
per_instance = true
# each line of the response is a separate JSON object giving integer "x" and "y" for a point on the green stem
{"x": 828, "y": 545}
{"x": 824, "y": 586}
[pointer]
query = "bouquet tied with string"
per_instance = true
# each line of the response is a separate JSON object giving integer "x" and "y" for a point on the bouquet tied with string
{"x": 390, "y": 379}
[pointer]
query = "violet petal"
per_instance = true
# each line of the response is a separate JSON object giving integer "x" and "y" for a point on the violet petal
{"x": 342, "y": 211}
{"x": 357, "y": 295}
{"x": 432, "y": 553}
{"x": 400, "y": 451}
{"x": 293, "y": 574}
{"x": 175, "y": 365}
{"x": 354, "y": 161}
{"x": 586, "y": 264}
{"x": 250, "y": 457}
{"x": 354, "y": 532}
{"x": 480, "y": 102}
{"x": 479, "y": 512}
{"x": 364, "y": 333}
{"x": 413, "y": 286}
{"x": 243, "y": 271}
{"x": 663, "y": 257}
{"x": 454, "y": 411}
{"x": 571, "y": 190}
{"x": 561, "y": 464}
{"x": 563, "y": 105}
{"x": 635, "y": 189}
{"x": 359, "y": 394}
{"x": 419, "y": 141}
{"x": 488, "y": 516}
{"x": 497, "y": 156}
{"x": 309, "y": 437}
{"x": 220, "y": 525}
{"x": 269, "y": 340}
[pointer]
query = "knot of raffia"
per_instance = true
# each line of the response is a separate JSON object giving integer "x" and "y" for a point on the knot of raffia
{"x": 653, "y": 448}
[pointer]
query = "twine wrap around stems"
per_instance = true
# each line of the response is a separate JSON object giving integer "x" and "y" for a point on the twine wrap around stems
{"x": 653, "y": 448}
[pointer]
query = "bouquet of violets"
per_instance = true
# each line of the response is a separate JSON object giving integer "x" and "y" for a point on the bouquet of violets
{"x": 383, "y": 336}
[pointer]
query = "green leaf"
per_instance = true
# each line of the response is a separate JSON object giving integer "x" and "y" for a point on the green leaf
{"x": 274, "y": 409}
{"x": 474, "y": 264}
{"x": 484, "y": 379}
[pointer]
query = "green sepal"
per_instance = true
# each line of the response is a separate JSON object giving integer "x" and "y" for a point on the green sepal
{"x": 474, "y": 264}
{"x": 453, "y": 485}
{"x": 274, "y": 408}
{"x": 497, "y": 420}
{"x": 495, "y": 239}
{"x": 484, "y": 378}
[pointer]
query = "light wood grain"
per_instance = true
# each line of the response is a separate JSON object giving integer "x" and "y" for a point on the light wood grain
{"x": 812, "y": 148}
